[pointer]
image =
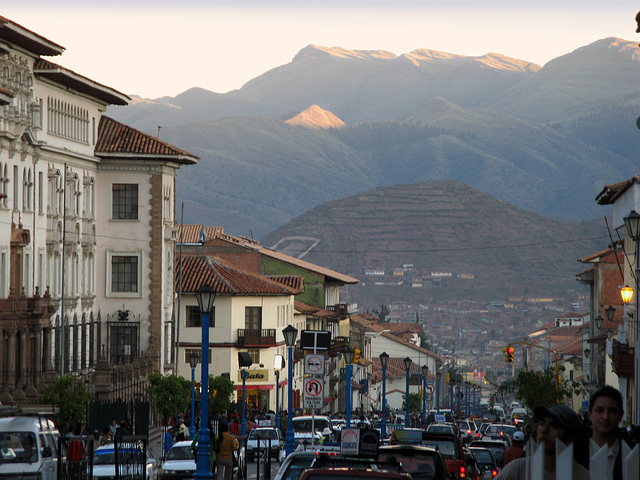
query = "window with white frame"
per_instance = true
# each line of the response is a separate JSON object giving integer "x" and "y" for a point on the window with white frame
{"x": 124, "y": 273}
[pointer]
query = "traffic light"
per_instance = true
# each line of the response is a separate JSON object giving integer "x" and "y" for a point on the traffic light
{"x": 356, "y": 355}
{"x": 509, "y": 356}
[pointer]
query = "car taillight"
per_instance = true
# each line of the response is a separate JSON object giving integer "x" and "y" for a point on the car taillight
{"x": 494, "y": 473}
{"x": 463, "y": 471}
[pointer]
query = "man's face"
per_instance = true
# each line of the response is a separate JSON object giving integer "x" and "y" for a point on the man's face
{"x": 548, "y": 431}
{"x": 605, "y": 416}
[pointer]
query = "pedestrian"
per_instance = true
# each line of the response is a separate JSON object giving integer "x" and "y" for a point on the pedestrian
{"x": 605, "y": 414}
{"x": 114, "y": 427}
{"x": 168, "y": 439}
{"x": 558, "y": 422}
{"x": 516, "y": 450}
{"x": 227, "y": 444}
{"x": 235, "y": 426}
{"x": 183, "y": 433}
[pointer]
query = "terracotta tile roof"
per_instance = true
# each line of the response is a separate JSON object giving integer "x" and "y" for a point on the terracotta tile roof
{"x": 293, "y": 281}
{"x": 312, "y": 310}
{"x": 596, "y": 256}
{"x": 610, "y": 193}
{"x": 570, "y": 347}
{"x": 35, "y": 43}
{"x": 69, "y": 78}
{"x": 193, "y": 233}
{"x": 117, "y": 140}
{"x": 225, "y": 279}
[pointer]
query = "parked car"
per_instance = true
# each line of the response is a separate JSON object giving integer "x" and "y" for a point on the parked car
{"x": 422, "y": 463}
{"x": 497, "y": 447}
{"x": 451, "y": 448}
{"x": 486, "y": 461}
{"x": 261, "y": 439}
{"x": 137, "y": 454}
{"x": 179, "y": 464}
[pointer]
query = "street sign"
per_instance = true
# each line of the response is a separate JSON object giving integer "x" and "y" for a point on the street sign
{"x": 315, "y": 340}
{"x": 314, "y": 364}
{"x": 430, "y": 389}
{"x": 313, "y": 397}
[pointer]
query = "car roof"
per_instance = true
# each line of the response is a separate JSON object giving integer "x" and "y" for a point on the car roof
{"x": 183, "y": 443}
{"x": 347, "y": 472}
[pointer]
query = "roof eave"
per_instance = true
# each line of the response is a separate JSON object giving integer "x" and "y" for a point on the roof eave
{"x": 27, "y": 39}
{"x": 83, "y": 85}
{"x": 183, "y": 159}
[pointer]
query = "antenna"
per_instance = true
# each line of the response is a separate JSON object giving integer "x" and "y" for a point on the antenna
{"x": 159, "y": 127}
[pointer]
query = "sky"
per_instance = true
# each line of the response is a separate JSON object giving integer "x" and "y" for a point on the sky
{"x": 164, "y": 47}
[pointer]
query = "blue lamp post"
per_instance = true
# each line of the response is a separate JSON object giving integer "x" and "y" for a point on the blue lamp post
{"x": 384, "y": 359}
{"x": 451, "y": 388}
{"x": 438, "y": 380}
{"x": 205, "y": 296}
{"x": 193, "y": 361}
{"x": 407, "y": 417}
{"x": 290, "y": 333}
{"x": 474, "y": 409}
{"x": 348, "y": 358}
{"x": 243, "y": 421}
{"x": 466, "y": 400}
{"x": 278, "y": 364}
{"x": 425, "y": 371}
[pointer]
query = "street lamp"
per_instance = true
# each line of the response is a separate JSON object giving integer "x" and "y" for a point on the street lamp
{"x": 438, "y": 380}
{"x": 348, "y": 358}
{"x": 193, "y": 361}
{"x": 205, "y": 296}
{"x": 599, "y": 322}
{"x": 610, "y": 312}
{"x": 384, "y": 359}
{"x": 407, "y": 418}
{"x": 473, "y": 408}
{"x": 278, "y": 364}
{"x": 632, "y": 224}
{"x": 425, "y": 371}
{"x": 290, "y": 333}
{"x": 243, "y": 420}
{"x": 467, "y": 385}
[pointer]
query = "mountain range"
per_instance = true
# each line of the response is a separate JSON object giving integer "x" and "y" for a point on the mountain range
{"x": 334, "y": 122}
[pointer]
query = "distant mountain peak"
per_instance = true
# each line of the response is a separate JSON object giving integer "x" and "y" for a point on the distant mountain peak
{"x": 493, "y": 60}
{"x": 316, "y": 51}
{"x": 315, "y": 117}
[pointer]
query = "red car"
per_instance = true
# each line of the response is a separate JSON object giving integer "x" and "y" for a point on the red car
{"x": 451, "y": 448}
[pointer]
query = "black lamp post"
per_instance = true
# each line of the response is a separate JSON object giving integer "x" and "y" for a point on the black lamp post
{"x": 384, "y": 359}
{"x": 193, "y": 361}
{"x": 290, "y": 333}
{"x": 205, "y": 296}
{"x": 407, "y": 417}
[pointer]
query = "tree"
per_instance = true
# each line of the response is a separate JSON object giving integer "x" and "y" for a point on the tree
{"x": 172, "y": 394}
{"x": 535, "y": 387}
{"x": 415, "y": 402}
{"x": 221, "y": 390}
{"x": 69, "y": 396}
{"x": 383, "y": 313}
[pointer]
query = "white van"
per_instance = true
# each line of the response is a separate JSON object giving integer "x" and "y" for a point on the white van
{"x": 28, "y": 448}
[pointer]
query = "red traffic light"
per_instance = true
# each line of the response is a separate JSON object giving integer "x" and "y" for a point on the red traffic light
{"x": 510, "y": 350}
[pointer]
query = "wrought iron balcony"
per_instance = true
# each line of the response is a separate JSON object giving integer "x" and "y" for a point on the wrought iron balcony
{"x": 256, "y": 337}
{"x": 340, "y": 310}
{"x": 622, "y": 359}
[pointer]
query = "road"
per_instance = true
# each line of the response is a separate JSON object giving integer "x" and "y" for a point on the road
{"x": 252, "y": 471}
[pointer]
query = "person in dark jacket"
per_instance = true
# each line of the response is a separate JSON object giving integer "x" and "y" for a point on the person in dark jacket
{"x": 605, "y": 413}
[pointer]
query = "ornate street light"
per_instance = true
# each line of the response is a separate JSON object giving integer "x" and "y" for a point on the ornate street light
{"x": 348, "y": 358}
{"x": 610, "y": 312}
{"x": 626, "y": 293}
{"x": 599, "y": 322}
{"x": 384, "y": 359}
{"x": 205, "y": 296}
{"x": 407, "y": 417}
{"x": 290, "y": 333}
{"x": 193, "y": 361}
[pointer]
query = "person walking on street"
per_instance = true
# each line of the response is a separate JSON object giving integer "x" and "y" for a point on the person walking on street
{"x": 516, "y": 450}
{"x": 558, "y": 422}
{"x": 227, "y": 444}
{"x": 605, "y": 414}
{"x": 168, "y": 439}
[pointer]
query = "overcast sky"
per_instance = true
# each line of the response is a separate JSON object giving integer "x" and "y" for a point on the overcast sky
{"x": 164, "y": 47}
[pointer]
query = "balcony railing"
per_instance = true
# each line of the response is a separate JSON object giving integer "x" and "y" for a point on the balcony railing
{"x": 340, "y": 310}
{"x": 622, "y": 359}
{"x": 259, "y": 336}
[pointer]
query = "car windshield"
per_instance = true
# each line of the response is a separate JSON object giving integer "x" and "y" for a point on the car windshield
{"x": 483, "y": 457}
{"x": 263, "y": 435}
{"x": 18, "y": 447}
{"x": 305, "y": 425}
{"x": 180, "y": 453}
{"x": 439, "y": 428}
{"x": 447, "y": 447}
{"x": 296, "y": 467}
{"x": 417, "y": 465}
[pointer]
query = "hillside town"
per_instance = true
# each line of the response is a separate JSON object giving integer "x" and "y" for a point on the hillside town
{"x": 101, "y": 282}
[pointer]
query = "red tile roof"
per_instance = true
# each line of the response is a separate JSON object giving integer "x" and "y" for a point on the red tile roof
{"x": 193, "y": 233}
{"x": 293, "y": 281}
{"x": 117, "y": 140}
{"x": 570, "y": 347}
{"x": 69, "y": 78}
{"x": 225, "y": 279}
{"x": 312, "y": 310}
{"x": 610, "y": 193}
{"x": 15, "y": 33}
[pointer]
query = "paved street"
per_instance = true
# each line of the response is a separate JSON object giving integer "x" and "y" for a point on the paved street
{"x": 252, "y": 471}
